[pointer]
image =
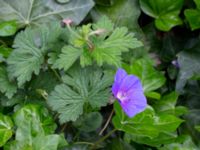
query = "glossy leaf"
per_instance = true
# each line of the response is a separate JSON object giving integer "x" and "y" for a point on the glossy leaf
{"x": 8, "y": 28}
{"x": 165, "y": 12}
{"x": 6, "y": 130}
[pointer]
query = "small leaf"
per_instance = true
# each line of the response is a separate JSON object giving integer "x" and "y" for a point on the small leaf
{"x": 6, "y": 86}
{"x": 8, "y": 28}
{"x": 6, "y": 132}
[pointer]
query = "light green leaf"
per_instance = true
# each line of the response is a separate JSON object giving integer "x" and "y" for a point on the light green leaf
{"x": 34, "y": 128}
{"x": 7, "y": 87}
{"x": 164, "y": 11}
{"x": 8, "y": 28}
{"x": 110, "y": 49}
{"x": 36, "y": 12}
{"x": 30, "y": 47}
{"x": 89, "y": 85}
{"x": 151, "y": 78}
{"x": 6, "y": 126}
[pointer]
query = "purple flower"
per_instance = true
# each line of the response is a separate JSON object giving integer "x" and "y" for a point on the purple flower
{"x": 129, "y": 92}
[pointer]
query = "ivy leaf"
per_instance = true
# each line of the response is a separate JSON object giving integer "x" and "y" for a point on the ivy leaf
{"x": 6, "y": 132}
{"x": 6, "y": 86}
{"x": 36, "y": 12}
{"x": 81, "y": 86}
{"x": 34, "y": 130}
{"x": 192, "y": 16}
{"x": 165, "y": 12}
{"x": 30, "y": 47}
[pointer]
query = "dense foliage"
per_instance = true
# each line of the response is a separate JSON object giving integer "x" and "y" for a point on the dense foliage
{"x": 58, "y": 59}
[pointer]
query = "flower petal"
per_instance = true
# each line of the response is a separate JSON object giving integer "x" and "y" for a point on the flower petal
{"x": 120, "y": 75}
{"x": 130, "y": 83}
{"x": 134, "y": 104}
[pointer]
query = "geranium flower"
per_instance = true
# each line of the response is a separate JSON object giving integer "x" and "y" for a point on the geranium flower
{"x": 127, "y": 89}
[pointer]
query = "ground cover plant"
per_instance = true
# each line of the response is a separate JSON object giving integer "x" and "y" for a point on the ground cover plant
{"x": 99, "y": 74}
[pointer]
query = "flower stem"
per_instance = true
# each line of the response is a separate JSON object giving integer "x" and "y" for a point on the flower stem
{"x": 107, "y": 122}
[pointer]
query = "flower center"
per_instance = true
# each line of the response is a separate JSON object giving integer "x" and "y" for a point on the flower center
{"x": 121, "y": 96}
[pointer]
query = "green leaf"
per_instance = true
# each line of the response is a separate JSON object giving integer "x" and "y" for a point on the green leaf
{"x": 6, "y": 126}
{"x": 8, "y": 28}
{"x": 98, "y": 42}
{"x": 30, "y": 47}
{"x": 141, "y": 124}
{"x": 89, "y": 122}
{"x": 187, "y": 144}
{"x": 121, "y": 12}
{"x": 151, "y": 78}
{"x": 193, "y": 17}
{"x": 197, "y": 128}
{"x": 36, "y": 12}
{"x": 163, "y": 138}
{"x": 189, "y": 66}
{"x": 119, "y": 144}
{"x": 32, "y": 120}
{"x": 146, "y": 124}
{"x": 81, "y": 86}
{"x": 7, "y": 87}
{"x": 165, "y": 12}
{"x": 68, "y": 57}
{"x": 34, "y": 130}
{"x": 110, "y": 49}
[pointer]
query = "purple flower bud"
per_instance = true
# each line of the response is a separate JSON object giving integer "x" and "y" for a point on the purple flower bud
{"x": 175, "y": 63}
{"x": 127, "y": 89}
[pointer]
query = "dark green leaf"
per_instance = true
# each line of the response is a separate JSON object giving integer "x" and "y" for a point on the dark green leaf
{"x": 89, "y": 85}
{"x": 89, "y": 122}
{"x": 164, "y": 11}
{"x": 189, "y": 66}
